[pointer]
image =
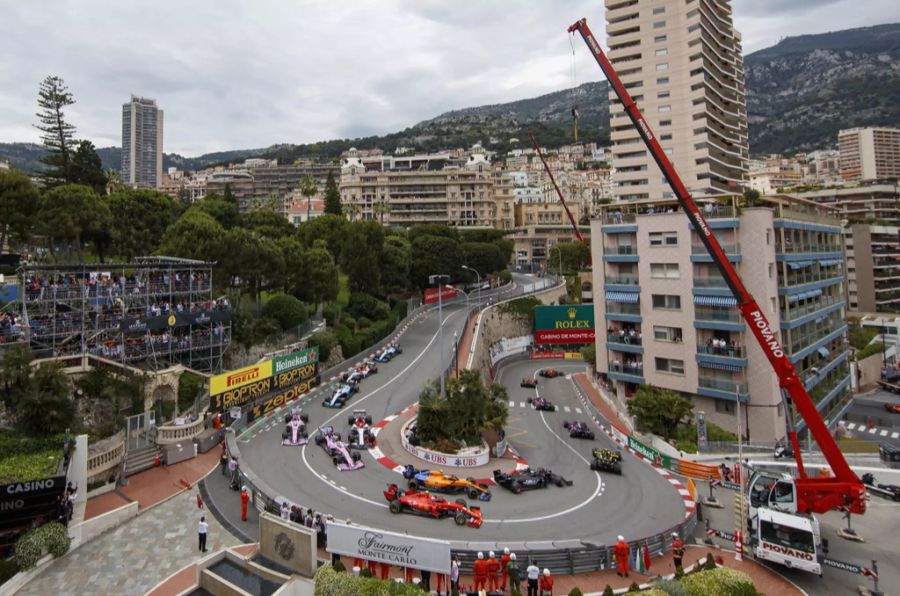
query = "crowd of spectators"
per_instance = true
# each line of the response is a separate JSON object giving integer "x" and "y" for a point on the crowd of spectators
{"x": 49, "y": 286}
{"x": 12, "y": 328}
{"x": 308, "y": 518}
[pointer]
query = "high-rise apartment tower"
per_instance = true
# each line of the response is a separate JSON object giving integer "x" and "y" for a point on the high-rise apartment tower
{"x": 142, "y": 143}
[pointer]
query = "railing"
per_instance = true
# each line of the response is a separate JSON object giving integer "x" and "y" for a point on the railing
{"x": 620, "y": 250}
{"x": 722, "y": 385}
{"x": 728, "y": 351}
{"x": 795, "y": 313}
{"x": 171, "y": 434}
{"x": 806, "y": 278}
{"x": 615, "y": 308}
{"x": 637, "y": 371}
{"x": 706, "y": 314}
{"x": 624, "y": 339}
{"x": 619, "y": 218}
{"x": 710, "y": 282}
{"x": 805, "y": 248}
{"x": 818, "y": 217}
{"x": 730, "y": 249}
{"x": 107, "y": 459}
{"x": 814, "y": 335}
{"x": 625, "y": 280}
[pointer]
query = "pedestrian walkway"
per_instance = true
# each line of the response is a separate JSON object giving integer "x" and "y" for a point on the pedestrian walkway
{"x": 877, "y": 432}
{"x": 525, "y": 404}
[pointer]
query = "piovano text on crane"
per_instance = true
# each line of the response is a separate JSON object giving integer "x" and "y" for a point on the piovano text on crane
{"x": 768, "y": 335}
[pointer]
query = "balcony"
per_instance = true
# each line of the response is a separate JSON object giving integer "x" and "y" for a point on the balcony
{"x": 805, "y": 248}
{"x": 801, "y": 311}
{"x": 621, "y": 280}
{"x": 711, "y": 314}
{"x": 710, "y": 282}
{"x": 726, "y": 352}
{"x": 620, "y": 250}
{"x": 633, "y": 340}
{"x": 637, "y": 371}
{"x": 632, "y": 345}
{"x": 730, "y": 249}
{"x": 616, "y": 218}
{"x": 813, "y": 216}
{"x": 723, "y": 389}
{"x": 614, "y": 308}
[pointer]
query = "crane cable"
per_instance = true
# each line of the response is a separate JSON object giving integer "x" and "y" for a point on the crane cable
{"x": 573, "y": 90}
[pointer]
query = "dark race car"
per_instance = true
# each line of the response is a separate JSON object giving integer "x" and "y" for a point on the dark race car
{"x": 550, "y": 373}
{"x": 539, "y": 403}
{"x": 579, "y": 430}
{"x": 295, "y": 433}
{"x": 341, "y": 455}
{"x": 360, "y": 435}
{"x": 429, "y": 505}
{"x": 529, "y": 382}
{"x": 341, "y": 395}
{"x": 607, "y": 460}
{"x": 529, "y": 479}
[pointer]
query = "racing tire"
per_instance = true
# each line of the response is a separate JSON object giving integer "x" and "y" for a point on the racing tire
{"x": 530, "y": 400}
{"x": 594, "y": 466}
{"x": 396, "y": 506}
{"x": 560, "y": 482}
{"x": 285, "y": 435}
{"x": 473, "y": 493}
{"x": 413, "y": 485}
{"x": 460, "y": 518}
{"x": 516, "y": 488}
{"x": 368, "y": 420}
{"x": 336, "y": 460}
{"x": 304, "y": 434}
{"x": 350, "y": 420}
{"x": 461, "y": 503}
{"x": 320, "y": 440}
{"x": 304, "y": 418}
{"x": 590, "y": 436}
{"x": 566, "y": 424}
{"x": 356, "y": 456}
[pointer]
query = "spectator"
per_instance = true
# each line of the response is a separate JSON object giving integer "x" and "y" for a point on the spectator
{"x": 532, "y": 573}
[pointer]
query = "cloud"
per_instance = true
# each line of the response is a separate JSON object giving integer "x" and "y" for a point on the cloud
{"x": 232, "y": 74}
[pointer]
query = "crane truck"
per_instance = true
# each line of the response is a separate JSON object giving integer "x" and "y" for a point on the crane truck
{"x": 780, "y": 519}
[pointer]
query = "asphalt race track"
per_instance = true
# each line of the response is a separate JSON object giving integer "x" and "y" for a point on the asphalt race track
{"x": 595, "y": 509}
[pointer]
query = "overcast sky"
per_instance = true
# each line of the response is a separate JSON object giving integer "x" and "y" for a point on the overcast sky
{"x": 232, "y": 74}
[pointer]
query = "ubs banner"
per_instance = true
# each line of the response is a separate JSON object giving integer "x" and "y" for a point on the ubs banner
{"x": 396, "y": 549}
{"x": 565, "y": 324}
{"x": 239, "y": 387}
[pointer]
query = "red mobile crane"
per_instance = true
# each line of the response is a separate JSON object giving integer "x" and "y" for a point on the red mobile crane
{"x": 812, "y": 495}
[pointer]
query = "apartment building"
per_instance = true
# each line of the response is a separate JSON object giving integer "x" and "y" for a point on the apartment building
{"x": 682, "y": 62}
{"x": 876, "y": 202}
{"x": 142, "y": 143}
{"x": 252, "y": 185}
{"x": 452, "y": 195}
{"x": 673, "y": 322}
{"x": 869, "y": 153}
{"x": 873, "y": 267}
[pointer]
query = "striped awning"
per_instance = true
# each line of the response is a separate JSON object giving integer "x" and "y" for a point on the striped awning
{"x": 823, "y": 352}
{"x": 719, "y": 366}
{"x": 804, "y": 295}
{"x": 800, "y": 264}
{"x": 625, "y": 297}
{"x": 722, "y": 301}
{"x": 830, "y": 263}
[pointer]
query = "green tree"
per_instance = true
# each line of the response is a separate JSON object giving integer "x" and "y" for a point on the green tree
{"x": 433, "y": 255}
{"x": 287, "y": 310}
{"x": 433, "y": 230}
{"x": 295, "y": 274}
{"x": 589, "y": 355}
{"x": 659, "y": 410}
{"x": 15, "y": 372}
{"x": 308, "y": 188}
{"x": 330, "y": 228}
{"x": 325, "y": 341}
{"x": 228, "y": 195}
{"x": 471, "y": 408}
{"x": 56, "y": 134}
{"x": 394, "y": 265}
{"x": 19, "y": 201}
{"x": 575, "y": 257}
{"x": 72, "y": 213}
{"x": 46, "y": 408}
{"x": 483, "y": 257}
{"x": 140, "y": 218}
{"x": 195, "y": 235}
{"x": 87, "y": 168}
{"x": 255, "y": 260}
{"x": 322, "y": 276}
{"x": 268, "y": 224}
{"x": 751, "y": 197}
{"x": 361, "y": 254}
{"x": 227, "y": 214}
{"x": 332, "y": 196}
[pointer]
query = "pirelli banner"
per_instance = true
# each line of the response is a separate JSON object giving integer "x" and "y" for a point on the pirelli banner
{"x": 245, "y": 385}
{"x": 567, "y": 324}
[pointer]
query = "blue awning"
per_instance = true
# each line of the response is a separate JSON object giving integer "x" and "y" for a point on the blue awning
{"x": 823, "y": 351}
{"x": 793, "y": 265}
{"x": 830, "y": 262}
{"x": 625, "y": 297}
{"x": 719, "y": 366}
{"x": 721, "y": 301}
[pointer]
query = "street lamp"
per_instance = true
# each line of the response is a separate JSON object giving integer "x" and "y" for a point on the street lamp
{"x": 467, "y": 268}
{"x": 439, "y": 281}
{"x": 455, "y": 354}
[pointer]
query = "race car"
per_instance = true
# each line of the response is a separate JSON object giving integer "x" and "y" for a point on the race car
{"x": 367, "y": 368}
{"x": 529, "y": 382}
{"x": 360, "y": 435}
{"x": 529, "y": 479}
{"x": 341, "y": 395}
{"x": 579, "y": 430}
{"x": 550, "y": 373}
{"x": 352, "y": 378}
{"x": 540, "y": 403}
{"x": 892, "y": 408}
{"x": 429, "y": 505}
{"x": 340, "y": 454}
{"x": 295, "y": 432}
{"x": 388, "y": 353}
{"x": 438, "y": 481}
{"x": 607, "y": 460}
{"x": 412, "y": 435}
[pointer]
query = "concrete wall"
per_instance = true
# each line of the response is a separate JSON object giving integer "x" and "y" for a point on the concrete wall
{"x": 216, "y": 585}
{"x": 90, "y": 529}
{"x": 278, "y": 538}
{"x": 869, "y": 371}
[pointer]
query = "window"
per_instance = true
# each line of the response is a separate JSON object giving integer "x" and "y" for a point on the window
{"x": 664, "y": 271}
{"x": 659, "y": 10}
{"x": 663, "y": 239}
{"x": 662, "y": 66}
{"x": 672, "y": 334}
{"x": 659, "y": 24}
{"x": 768, "y": 237}
{"x": 666, "y": 137}
{"x": 665, "y": 108}
{"x": 665, "y": 123}
{"x": 669, "y": 151}
{"x": 662, "y": 95}
{"x": 662, "y": 81}
{"x": 771, "y": 270}
{"x": 725, "y": 407}
{"x": 659, "y": 38}
{"x": 774, "y": 305}
{"x": 662, "y": 52}
{"x": 670, "y": 365}
{"x": 666, "y": 301}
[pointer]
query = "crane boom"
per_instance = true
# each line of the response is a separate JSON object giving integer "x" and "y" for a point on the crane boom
{"x": 537, "y": 147}
{"x": 818, "y": 494}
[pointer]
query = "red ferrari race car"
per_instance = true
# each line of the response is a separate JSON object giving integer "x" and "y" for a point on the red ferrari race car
{"x": 529, "y": 382}
{"x": 429, "y": 505}
{"x": 550, "y": 373}
{"x": 892, "y": 408}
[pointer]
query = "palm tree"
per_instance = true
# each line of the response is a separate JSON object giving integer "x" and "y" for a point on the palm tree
{"x": 308, "y": 188}
{"x": 380, "y": 208}
{"x": 352, "y": 210}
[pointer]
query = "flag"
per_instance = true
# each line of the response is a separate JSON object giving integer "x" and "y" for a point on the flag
{"x": 638, "y": 560}
{"x": 692, "y": 489}
{"x": 647, "y": 557}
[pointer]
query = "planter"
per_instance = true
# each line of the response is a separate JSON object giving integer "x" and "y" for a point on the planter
{"x": 470, "y": 457}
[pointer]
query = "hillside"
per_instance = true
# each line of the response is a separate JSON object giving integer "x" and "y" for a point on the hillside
{"x": 803, "y": 90}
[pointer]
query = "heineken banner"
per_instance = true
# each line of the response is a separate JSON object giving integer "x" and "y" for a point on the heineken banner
{"x": 650, "y": 453}
{"x": 565, "y": 324}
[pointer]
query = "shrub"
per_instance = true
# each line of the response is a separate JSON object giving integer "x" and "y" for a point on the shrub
{"x": 365, "y": 572}
{"x": 608, "y": 591}
{"x": 325, "y": 341}
{"x": 722, "y": 581}
{"x": 188, "y": 388}
{"x": 350, "y": 344}
{"x": 710, "y": 562}
{"x": 53, "y": 537}
{"x": 653, "y": 592}
{"x": 286, "y": 309}
{"x": 329, "y": 582}
{"x": 349, "y": 322}
{"x": 575, "y": 592}
{"x": 670, "y": 586}
{"x": 366, "y": 305}
{"x": 363, "y": 322}
{"x": 634, "y": 587}
{"x": 505, "y": 276}
{"x": 8, "y": 568}
{"x": 331, "y": 312}
{"x": 339, "y": 566}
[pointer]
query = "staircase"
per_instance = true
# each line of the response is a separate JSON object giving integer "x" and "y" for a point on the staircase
{"x": 139, "y": 459}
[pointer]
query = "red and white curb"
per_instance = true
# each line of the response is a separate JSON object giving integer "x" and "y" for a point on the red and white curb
{"x": 379, "y": 456}
{"x": 689, "y": 505}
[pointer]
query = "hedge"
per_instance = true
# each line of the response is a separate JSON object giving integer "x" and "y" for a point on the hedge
{"x": 721, "y": 581}
{"x": 52, "y": 537}
{"x": 333, "y": 583}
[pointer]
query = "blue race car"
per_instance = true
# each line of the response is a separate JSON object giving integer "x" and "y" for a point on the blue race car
{"x": 388, "y": 353}
{"x": 341, "y": 395}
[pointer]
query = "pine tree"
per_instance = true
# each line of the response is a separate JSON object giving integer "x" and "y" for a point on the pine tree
{"x": 332, "y": 196}
{"x": 53, "y": 98}
{"x": 87, "y": 169}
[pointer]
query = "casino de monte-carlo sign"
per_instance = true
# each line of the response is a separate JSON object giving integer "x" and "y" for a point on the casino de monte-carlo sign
{"x": 396, "y": 549}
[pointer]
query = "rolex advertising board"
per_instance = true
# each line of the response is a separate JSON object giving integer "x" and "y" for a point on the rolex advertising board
{"x": 565, "y": 324}
{"x": 388, "y": 547}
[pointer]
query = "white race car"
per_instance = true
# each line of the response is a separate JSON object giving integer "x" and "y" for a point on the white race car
{"x": 360, "y": 435}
